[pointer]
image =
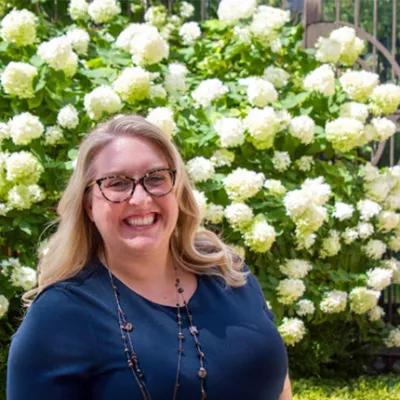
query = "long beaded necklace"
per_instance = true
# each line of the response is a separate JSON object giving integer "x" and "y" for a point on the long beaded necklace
{"x": 132, "y": 358}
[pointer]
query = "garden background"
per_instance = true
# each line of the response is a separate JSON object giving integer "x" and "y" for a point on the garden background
{"x": 277, "y": 140}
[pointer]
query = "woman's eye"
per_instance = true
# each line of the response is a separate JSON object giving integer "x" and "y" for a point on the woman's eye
{"x": 155, "y": 179}
{"x": 117, "y": 184}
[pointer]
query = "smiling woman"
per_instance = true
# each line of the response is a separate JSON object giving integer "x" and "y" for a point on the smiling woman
{"x": 134, "y": 301}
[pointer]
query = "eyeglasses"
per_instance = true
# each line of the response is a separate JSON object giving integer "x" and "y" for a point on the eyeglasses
{"x": 119, "y": 188}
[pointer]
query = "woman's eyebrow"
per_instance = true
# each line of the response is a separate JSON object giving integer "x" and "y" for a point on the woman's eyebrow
{"x": 124, "y": 172}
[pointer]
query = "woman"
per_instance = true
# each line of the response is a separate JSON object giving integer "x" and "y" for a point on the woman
{"x": 134, "y": 302}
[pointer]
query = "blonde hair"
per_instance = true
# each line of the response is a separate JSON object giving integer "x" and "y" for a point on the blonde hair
{"x": 77, "y": 241}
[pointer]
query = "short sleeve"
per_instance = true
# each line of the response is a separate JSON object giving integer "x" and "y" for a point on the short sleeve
{"x": 253, "y": 282}
{"x": 53, "y": 351}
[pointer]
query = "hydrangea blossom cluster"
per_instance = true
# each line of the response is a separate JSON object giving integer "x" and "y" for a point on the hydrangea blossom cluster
{"x": 388, "y": 220}
{"x": 53, "y": 135}
{"x": 260, "y": 236}
{"x": 17, "y": 79}
{"x": 385, "y": 99}
{"x": 303, "y": 128}
{"x": 186, "y": 10}
{"x": 214, "y": 213}
{"x": 292, "y": 330}
{"x": 262, "y": 126}
{"x": 275, "y": 187}
{"x": 350, "y": 235}
{"x": 242, "y": 184}
{"x": 189, "y": 32}
{"x": 175, "y": 79}
{"x": 393, "y": 339}
{"x": 375, "y": 249}
{"x": 376, "y": 313}
{"x": 363, "y": 299}
{"x": 331, "y": 245}
{"x": 277, "y": 76}
{"x": 102, "y": 11}
{"x": 222, "y": 157}
{"x": 321, "y": 80}
{"x": 379, "y": 278}
{"x": 368, "y": 209}
{"x": 359, "y": 84}
{"x": 208, "y": 91}
{"x": 133, "y": 84}
{"x": 365, "y": 230}
{"x": 156, "y": 16}
{"x": 157, "y": 92}
{"x": 22, "y": 167}
{"x": 239, "y": 216}
{"x": 281, "y": 160}
{"x": 163, "y": 118}
{"x": 343, "y": 211}
{"x": 230, "y": 131}
{"x": 305, "y": 307}
{"x": 354, "y": 110}
{"x": 345, "y": 133}
{"x": 201, "y": 201}
{"x": 78, "y": 10}
{"x": 200, "y": 169}
{"x": 19, "y": 275}
{"x": 79, "y": 40}
{"x": 259, "y": 91}
{"x": 59, "y": 55}
{"x": 393, "y": 265}
{"x": 101, "y": 100}
{"x": 68, "y": 117}
{"x": 231, "y": 11}
{"x": 24, "y": 128}
{"x": 305, "y": 163}
{"x": 19, "y": 27}
{"x": 334, "y": 302}
{"x": 4, "y": 305}
{"x": 296, "y": 268}
{"x": 289, "y": 290}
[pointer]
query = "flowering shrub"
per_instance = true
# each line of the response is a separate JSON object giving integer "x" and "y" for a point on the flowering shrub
{"x": 276, "y": 146}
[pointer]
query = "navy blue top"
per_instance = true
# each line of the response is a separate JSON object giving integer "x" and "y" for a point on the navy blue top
{"x": 69, "y": 345}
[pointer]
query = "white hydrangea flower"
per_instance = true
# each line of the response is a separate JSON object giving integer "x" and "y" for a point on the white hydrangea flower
{"x": 305, "y": 307}
{"x": 243, "y": 34}
{"x": 393, "y": 339}
{"x": 368, "y": 209}
{"x": 58, "y": 54}
{"x": 19, "y": 27}
{"x": 4, "y": 209}
{"x": 125, "y": 38}
{"x": 343, "y": 211}
{"x": 350, "y": 235}
{"x": 281, "y": 160}
{"x": 133, "y": 84}
{"x": 24, "y": 277}
{"x": 157, "y": 92}
{"x": 277, "y": 76}
{"x": 262, "y": 126}
{"x": 292, "y": 330}
{"x": 163, "y": 118}
{"x": 365, "y": 230}
{"x": 23, "y": 167}
{"x": 260, "y": 236}
{"x": 21, "y": 197}
{"x": 388, "y": 220}
{"x": 328, "y": 50}
{"x": 354, "y": 110}
{"x": 79, "y": 40}
{"x": 53, "y": 135}
{"x": 284, "y": 119}
{"x": 259, "y": 91}
{"x": 375, "y": 249}
{"x": 394, "y": 243}
{"x": 68, "y": 117}
{"x": 230, "y": 131}
{"x": 222, "y": 157}
{"x": 379, "y": 278}
{"x": 305, "y": 163}
{"x": 102, "y": 11}
{"x": 359, "y": 84}
{"x": 363, "y": 299}
{"x": 317, "y": 190}
{"x": 186, "y": 10}
{"x": 369, "y": 172}
{"x": 201, "y": 201}
{"x": 385, "y": 99}
{"x": 351, "y": 45}
{"x": 17, "y": 79}
{"x": 303, "y": 128}
{"x": 334, "y": 302}
{"x": 101, "y": 100}
{"x": 394, "y": 265}
{"x": 331, "y": 245}
{"x": 239, "y": 216}
{"x": 239, "y": 250}
{"x": 383, "y": 128}
{"x": 345, "y": 133}
{"x": 376, "y": 314}
{"x": 289, "y": 290}
{"x": 189, "y": 32}
{"x": 208, "y": 91}
{"x": 214, "y": 213}
{"x": 156, "y": 16}
{"x": 175, "y": 79}
{"x": 296, "y": 268}
{"x": 275, "y": 187}
{"x": 148, "y": 47}
{"x": 276, "y": 45}
{"x": 24, "y": 128}
{"x": 242, "y": 184}
{"x": 231, "y": 11}
{"x": 200, "y": 169}
{"x": 321, "y": 80}
{"x": 377, "y": 190}
{"x": 78, "y": 10}
{"x": 4, "y": 304}
{"x": 4, "y": 131}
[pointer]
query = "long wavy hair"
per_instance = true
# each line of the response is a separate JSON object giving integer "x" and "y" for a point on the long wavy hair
{"x": 77, "y": 241}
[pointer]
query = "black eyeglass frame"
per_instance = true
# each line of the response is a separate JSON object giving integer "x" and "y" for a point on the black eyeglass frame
{"x": 135, "y": 183}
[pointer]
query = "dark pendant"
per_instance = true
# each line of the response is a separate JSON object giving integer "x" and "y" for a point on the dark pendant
{"x": 203, "y": 395}
{"x": 202, "y": 372}
{"x": 180, "y": 290}
{"x": 193, "y": 330}
{"x": 127, "y": 326}
{"x": 201, "y": 355}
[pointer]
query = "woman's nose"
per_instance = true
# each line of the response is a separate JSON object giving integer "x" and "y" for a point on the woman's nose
{"x": 139, "y": 196}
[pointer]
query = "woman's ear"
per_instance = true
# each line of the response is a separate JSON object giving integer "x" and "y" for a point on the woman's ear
{"x": 87, "y": 205}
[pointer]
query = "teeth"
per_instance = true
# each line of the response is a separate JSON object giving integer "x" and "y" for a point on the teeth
{"x": 141, "y": 221}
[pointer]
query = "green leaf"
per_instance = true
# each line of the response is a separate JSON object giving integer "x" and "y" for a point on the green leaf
{"x": 36, "y": 101}
{"x": 293, "y": 100}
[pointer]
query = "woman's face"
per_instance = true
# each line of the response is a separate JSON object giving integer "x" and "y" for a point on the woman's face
{"x": 143, "y": 224}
